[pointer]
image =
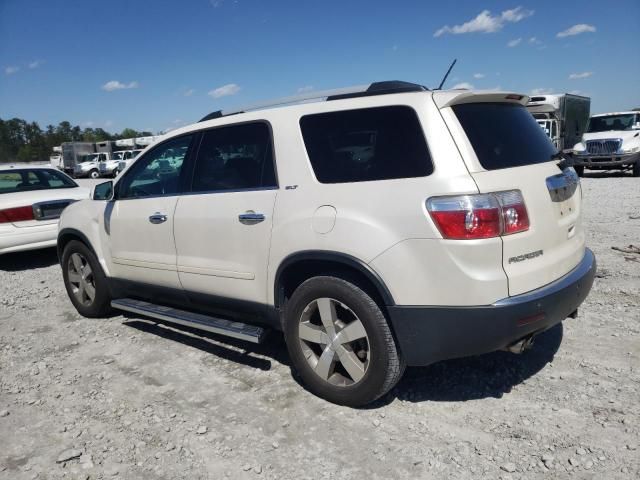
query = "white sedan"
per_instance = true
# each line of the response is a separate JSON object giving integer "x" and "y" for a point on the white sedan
{"x": 31, "y": 200}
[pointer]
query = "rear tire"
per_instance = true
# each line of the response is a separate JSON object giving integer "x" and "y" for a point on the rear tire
{"x": 579, "y": 170}
{"x": 340, "y": 342}
{"x": 635, "y": 170}
{"x": 85, "y": 280}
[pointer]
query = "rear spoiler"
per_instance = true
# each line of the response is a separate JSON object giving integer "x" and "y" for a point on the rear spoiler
{"x": 449, "y": 98}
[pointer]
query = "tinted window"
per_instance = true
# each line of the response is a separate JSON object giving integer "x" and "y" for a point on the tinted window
{"x": 504, "y": 135}
{"x": 368, "y": 144}
{"x": 158, "y": 172}
{"x": 235, "y": 158}
{"x": 37, "y": 179}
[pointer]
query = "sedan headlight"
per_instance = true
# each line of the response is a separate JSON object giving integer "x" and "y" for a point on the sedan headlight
{"x": 631, "y": 149}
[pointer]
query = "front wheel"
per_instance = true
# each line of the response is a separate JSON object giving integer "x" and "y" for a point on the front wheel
{"x": 579, "y": 170}
{"x": 635, "y": 170}
{"x": 94, "y": 174}
{"x": 85, "y": 281}
{"x": 340, "y": 342}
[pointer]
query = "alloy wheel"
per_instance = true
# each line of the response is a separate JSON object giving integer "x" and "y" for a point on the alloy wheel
{"x": 334, "y": 342}
{"x": 81, "y": 279}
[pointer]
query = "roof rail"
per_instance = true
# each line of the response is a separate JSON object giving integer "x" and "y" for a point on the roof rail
{"x": 376, "y": 88}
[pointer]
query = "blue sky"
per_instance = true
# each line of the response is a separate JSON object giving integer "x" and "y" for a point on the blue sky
{"x": 161, "y": 64}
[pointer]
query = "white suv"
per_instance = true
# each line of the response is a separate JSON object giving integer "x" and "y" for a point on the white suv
{"x": 377, "y": 227}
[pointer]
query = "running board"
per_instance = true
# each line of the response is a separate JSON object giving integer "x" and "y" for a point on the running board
{"x": 220, "y": 326}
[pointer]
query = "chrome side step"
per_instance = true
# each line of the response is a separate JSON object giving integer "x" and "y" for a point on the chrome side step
{"x": 220, "y": 326}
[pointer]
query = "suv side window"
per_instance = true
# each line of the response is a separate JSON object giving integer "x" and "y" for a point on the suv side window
{"x": 158, "y": 173}
{"x": 367, "y": 144}
{"x": 236, "y": 157}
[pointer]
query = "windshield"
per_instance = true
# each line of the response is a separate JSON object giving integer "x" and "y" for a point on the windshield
{"x": 504, "y": 135}
{"x": 23, "y": 180}
{"x": 612, "y": 122}
{"x": 90, "y": 158}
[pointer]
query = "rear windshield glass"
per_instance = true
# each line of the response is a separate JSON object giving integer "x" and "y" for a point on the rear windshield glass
{"x": 504, "y": 135}
{"x": 368, "y": 144}
{"x": 24, "y": 180}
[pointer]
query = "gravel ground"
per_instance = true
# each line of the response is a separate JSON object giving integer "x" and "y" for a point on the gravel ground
{"x": 126, "y": 398}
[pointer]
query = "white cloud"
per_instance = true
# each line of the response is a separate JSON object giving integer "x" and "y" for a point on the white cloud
{"x": 225, "y": 90}
{"x": 514, "y": 43}
{"x": 116, "y": 85}
{"x": 216, "y": 3}
{"x": 10, "y": 70}
{"x": 108, "y": 123}
{"x": 305, "y": 89}
{"x": 534, "y": 41}
{"x": 88, "y": 124}
{"x": 478, "y": 75}
{"x": 541, "y": 91}
{"x": 575, "y": 76}
{"x": 466, "y": 85}
{"x": 486, "y": 23}
{"x": 189, "y": 92}
{"x": 35, "y": 64}
{"x": 576, "y": 30}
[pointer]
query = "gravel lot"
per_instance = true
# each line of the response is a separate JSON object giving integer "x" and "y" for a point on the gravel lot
{"x": 126, "y": 398}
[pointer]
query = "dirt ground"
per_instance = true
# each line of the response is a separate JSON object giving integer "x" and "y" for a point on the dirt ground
{"x": 126, "y": 398}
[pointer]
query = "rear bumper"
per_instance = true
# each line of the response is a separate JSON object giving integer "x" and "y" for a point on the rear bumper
{"x": 598, "y": 161}
{"x": 430, "y": 334}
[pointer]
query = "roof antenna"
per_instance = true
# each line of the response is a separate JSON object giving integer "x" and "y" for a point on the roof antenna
{"x": 447, "y": 74}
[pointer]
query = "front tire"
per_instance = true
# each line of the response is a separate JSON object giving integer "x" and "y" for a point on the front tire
{"x": 85, "y": 280}
{"x": 340, "y": 342}
{"x": 579, "y": 170}
{"x": 94, "y": 174}
{"x": 635, "y": 170}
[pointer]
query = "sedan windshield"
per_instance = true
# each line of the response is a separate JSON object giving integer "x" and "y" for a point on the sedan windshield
{"x": 612, "y": 122}
{"x": 23, "y": 180}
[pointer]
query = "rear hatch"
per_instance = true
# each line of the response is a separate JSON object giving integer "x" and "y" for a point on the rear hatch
{"x": 505, "y": 149}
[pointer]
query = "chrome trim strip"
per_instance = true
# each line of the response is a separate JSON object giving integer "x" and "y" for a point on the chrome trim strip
{"x": 587, "y": 264}
{"x": 220, "y": 326}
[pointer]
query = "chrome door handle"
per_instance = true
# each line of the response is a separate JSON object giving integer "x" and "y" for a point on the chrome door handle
{"x": 157, "y": 218}
{"x": 251, "y": 217}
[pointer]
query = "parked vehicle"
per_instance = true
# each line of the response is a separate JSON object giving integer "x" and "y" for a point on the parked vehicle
{"x": 118, "y": 162}
{"x": 89, "y": 165}
{"x": 73, "y": 153}
{"x": 377, "y": 227}
{"x": 125, "y": 162}
{"x": 563, "y": 117}
{"x": 31, "y": 200}
{"x": 612, "y": 141}
{"x": 55, "y": 158}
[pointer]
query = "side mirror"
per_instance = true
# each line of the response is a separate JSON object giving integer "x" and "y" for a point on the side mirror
{"x": 103, "y": 191}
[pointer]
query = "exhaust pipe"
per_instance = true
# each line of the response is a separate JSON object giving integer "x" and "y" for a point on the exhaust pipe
{"x": 521, "y": 345}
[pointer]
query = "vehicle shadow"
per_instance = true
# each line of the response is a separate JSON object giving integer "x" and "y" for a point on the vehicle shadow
{"x": 607, "y": 174}
{"x": 19, "y": 261}
{"x": 484, "y": 376}
{"x": 472, "y": 378}
{"x": 238, "y": 351}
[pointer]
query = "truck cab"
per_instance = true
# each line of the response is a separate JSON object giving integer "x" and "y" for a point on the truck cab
{"x": 88, "y": 166}
{"x": 611, "y": 141}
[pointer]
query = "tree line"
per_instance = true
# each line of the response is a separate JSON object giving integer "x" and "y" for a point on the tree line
{"x": 22, "y": 141}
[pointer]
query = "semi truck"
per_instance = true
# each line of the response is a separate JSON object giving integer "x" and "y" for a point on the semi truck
{"x": 563, "y": 117}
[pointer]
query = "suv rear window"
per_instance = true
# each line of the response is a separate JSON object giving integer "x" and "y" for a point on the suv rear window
{"x": 504, "y": 135}
{"x": 366, "y": 144}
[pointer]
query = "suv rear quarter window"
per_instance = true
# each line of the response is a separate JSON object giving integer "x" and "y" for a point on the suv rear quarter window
{"x": 368, "y": 144}
{"x": 504, "y": 135}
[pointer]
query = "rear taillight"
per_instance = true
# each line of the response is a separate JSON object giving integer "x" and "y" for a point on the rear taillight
{"x": 485, "y": 215}
{"x": 16, "y": 214}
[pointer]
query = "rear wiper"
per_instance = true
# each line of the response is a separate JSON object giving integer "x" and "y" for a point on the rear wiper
{"x": 564, "y": 162}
